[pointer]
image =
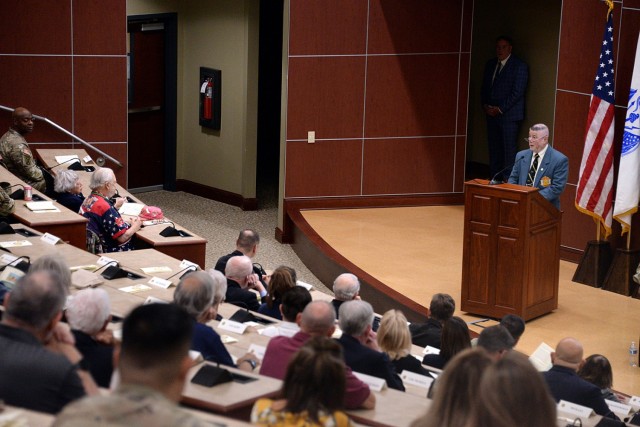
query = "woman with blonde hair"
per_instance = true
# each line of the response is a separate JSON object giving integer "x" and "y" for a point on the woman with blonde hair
{"x": 394, "y": 338}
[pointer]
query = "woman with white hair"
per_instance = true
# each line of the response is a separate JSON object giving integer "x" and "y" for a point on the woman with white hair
{"x": 68, "y": 187}
{"x": 88, "y": 314}
{"x": 106, "y": 230}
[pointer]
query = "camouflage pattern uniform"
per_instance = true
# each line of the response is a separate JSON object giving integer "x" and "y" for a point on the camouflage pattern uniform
{"x": 17, "y": 156}
{"x": 7, "y": 205}
{"x": 128, "y": 405}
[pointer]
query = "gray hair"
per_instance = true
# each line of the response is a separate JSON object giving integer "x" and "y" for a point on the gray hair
{"x": 238, "y": 267}
{"x": 100, "y": 177}
{"x": 355, "y": 316}
{"x": 54, "y": 262}
{"x": 540, "y": 127}
{"x": 36, "y": 299}
{"x": 346, "y": 287}
{"x": 88, "y": 310}
{"x": 318, "y": 317}
{"x": 65, "y": 181}
{"x": 219, "y": 285}
{"x": 195, "y": 293}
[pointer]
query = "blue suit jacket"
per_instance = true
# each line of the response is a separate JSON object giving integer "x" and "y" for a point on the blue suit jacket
{"x": 508, "y": 88}
{"x": 554, "y": 166}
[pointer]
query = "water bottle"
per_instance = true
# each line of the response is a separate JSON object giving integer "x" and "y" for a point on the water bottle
{"x": 633, "y": 354}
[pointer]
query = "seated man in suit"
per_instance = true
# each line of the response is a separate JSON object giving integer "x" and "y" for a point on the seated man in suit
{"x": 247, "y": 244}
{"x": 345, "y": 288}
{"x": 564, "y": 382}
{"x": 361, "y": 351}
{"x": 240, "y": 278}
{"x": 317, "y": 319}
{"x": 440, "y": 310}
{"x": 496, "y": 340}
{"x": 541, "y": 166}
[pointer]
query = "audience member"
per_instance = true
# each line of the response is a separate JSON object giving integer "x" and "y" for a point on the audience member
{"x": 16, "y": 153}
{"x": 564, "y": 382}
{"x": 456, "y": 390}
{"x": 280, "y": 282}
{"x": 239, "y": 273}
{"x": 247, "y": 244}
{"x": 440, "y": 310}
{"x": 455, "y": 338}
{"x": 597, "y": 370}
{"x": 513, "y": 393}
{"x": 346, "y": 287}
{"x": 515, "y": 325}
{"x": 496, "y": 340}
{"x": 200, "y": 294}
{"x": 313, "y": 390}
{"x": 361, "y": 351}
{"x": 153, "y": 363}
{"x": 68, "y": 188}
{"x": 105, "y": 224}
{"x": 32, "y": 376}
{"x": 88, "y": 314}
{"x": 294, "y": 302}
{"x": 394, "y": 339}
{"x": 7, "y": 205}
{"x": 317, "y": 319}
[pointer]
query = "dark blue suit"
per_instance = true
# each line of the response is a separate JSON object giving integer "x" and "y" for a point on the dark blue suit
{"x": 506, "y": 92}
{"x": 565, "y": 384}
{"x": 554, "y": 166}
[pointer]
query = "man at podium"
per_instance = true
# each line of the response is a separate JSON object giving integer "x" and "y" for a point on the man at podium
{"x": 541, "y": 166}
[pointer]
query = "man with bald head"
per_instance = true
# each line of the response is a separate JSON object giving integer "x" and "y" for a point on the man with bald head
{"x": 564, "y": 382}
{"x": 240, "y": 278}
{"x": 16, "y": 153}
{"x": 317, "y": 319}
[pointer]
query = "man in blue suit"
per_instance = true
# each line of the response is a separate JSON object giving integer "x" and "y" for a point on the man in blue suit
{"x": 503, "y": 87}
{"x": 541, "y": 166}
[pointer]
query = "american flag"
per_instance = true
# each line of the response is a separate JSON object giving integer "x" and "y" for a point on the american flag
{"x": 595, "y": 184}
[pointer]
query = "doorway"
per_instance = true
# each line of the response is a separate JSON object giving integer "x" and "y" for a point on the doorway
{"x": 152, "y": 101}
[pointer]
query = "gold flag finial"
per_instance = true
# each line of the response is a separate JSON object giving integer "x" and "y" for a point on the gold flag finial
{"x": 610, "y": 5}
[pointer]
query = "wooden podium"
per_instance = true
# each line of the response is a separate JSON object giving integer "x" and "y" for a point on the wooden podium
{"x": 511, "y": 251}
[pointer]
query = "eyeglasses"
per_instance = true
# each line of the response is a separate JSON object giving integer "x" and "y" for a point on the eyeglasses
{"x": 534, "y": 138}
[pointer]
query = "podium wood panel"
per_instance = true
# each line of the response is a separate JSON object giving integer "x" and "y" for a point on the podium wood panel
{"x": 511, "y": 251}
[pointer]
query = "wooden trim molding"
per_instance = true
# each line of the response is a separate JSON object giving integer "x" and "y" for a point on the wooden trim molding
{"x": 233, "y": 199}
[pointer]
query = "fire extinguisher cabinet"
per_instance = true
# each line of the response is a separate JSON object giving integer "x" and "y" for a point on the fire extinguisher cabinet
{"x": 210, "y": 94}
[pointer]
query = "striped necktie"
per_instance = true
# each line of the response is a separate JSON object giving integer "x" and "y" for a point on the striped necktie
{"x": 532, "y": 171}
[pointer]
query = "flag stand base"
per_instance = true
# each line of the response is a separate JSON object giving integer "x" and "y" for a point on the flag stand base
{"x": 620, "y": 276}
{"x": 594, "y": 264}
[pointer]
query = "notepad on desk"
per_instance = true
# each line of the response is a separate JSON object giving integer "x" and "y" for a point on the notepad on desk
{"x": 132, "y": 209}
{"x": 45, "y": 206}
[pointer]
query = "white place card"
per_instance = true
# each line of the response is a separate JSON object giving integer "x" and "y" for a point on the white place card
{"x": 186, "y": 263}
{"x": 226, "y": 339}
{"x": 104, "y": 260}
{"x": 87, "y": 159}
{"x": 163, "y": 283}
{"x": 154, "y": 300}
{"x": 15, "y": 243}
{"x": 231, "y": 326}
{"x": 135, "y": 288}
{"x": 156, "y": 270}
{"x": 374, "y": 383}
{"x": 7, "y": 258}
{"x": 49, "y": 239}
{"x": 304, "y": 285}
{"x": 196, "y": 356}
{"x": 620, "y": 409}
{"x": 258, "y": 350}
{"x": 88, "y": 267}
{"x": 634, "y": 401}
{"x": 574, "y": 409}
{"x": 430, "y": 350}
{"x": 418, "y": 380}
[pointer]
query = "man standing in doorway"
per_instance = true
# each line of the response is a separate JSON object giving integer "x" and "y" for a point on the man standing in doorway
{"x": 503, "y": 87}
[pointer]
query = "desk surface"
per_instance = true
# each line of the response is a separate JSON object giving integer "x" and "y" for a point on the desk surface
{"x": 32, "y": 418}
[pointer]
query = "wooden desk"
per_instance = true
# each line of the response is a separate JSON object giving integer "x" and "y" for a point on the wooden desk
{"x": 33, "y": 418}
{"x": 67, "y": 225}
{"x": 192, "y": 248}
{"x": 232, "y": 399}
{"x": 393, "y": 409}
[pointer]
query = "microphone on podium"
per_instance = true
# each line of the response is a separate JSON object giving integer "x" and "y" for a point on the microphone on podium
{"x": 495, "y": 181}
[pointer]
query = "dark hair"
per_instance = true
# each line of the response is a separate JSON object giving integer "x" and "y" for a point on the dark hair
{"x": 455, "y": 337}
{"x": 155, "y": 334}
{"x": 315, "y": 379}
{"x": 442, "y": 307}
{"x": 597, "y": 370}
{"x": 514, "y": 324}
{"x": 294, "y": 301}
{"x": 247, "y": 239}
{"x": 280, "y": 282}
{"x": 495, "y": 338}
{"x": 291, "y": 270}
{"x": 505, "y": 38}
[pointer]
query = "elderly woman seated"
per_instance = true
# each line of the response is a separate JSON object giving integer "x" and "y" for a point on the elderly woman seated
{"x": 68, "y": 187}
{"x": 106, "y": 230}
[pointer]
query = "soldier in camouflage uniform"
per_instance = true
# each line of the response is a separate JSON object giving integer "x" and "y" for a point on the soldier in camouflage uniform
{"x": 7, "y": 205}
{"x": 16, "y": 153}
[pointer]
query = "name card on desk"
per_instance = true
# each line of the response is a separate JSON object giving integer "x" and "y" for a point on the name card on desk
{"x": 258, "y": 350}
{"x": 574, "y": 409}
{"x": 186, "y": 264}
{"x": 231, "y": 326}
{"x": 87, "y": 159}
{"x": 634, "y": 401}
{"x": 15, "y": 243}
{"x": 374, "y": 383}
{"x": 620, "y": 409}
{"x": 417, "y": 380}
{"x": 430, "y": 350}
{"x": 135, "y": 288}
{"x": 304, "y": 285}
{"x": 49, "y": 239}
{"x": 104, "y": 260}
{"x": 154, "y": 300}
{"x": 7, "y": 258}
{"x": 156, "y": 270}
{"x": 163, "y": 283}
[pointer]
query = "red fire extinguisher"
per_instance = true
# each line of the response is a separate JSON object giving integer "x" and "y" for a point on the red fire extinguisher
{"x": 208, "y": 98}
